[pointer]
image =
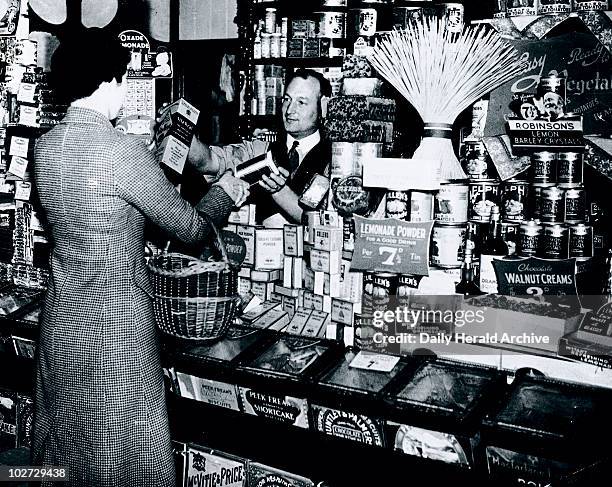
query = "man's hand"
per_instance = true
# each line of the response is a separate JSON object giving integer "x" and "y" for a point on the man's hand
{"x": 236, "y": 188}
{"x": 274, "y": 182}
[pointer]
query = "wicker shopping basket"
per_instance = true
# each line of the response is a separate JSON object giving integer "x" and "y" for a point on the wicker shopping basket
{"x": 194, "y": 299}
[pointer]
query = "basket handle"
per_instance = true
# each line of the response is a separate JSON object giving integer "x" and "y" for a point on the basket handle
{"x": 219, "y": 238}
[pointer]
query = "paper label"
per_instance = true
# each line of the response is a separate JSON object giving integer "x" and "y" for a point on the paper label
{"x": 26, "y": 93}
{"x": 23, "y": 190}
{"x": 374, "y": 361}
{"x": 390, "y": 245}
{"x": 19, "y": 147}
{"x": 18, "y": 166}
{"x": 204, "y": 468}
{"x": 284, "y": 409}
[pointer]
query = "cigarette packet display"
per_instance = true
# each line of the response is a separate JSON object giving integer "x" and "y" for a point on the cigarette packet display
{"x": 298, "y": 322}
{"x": 174, "y": 134}
{"x": 293, "y": 237}
{"x": 268, "y": 248}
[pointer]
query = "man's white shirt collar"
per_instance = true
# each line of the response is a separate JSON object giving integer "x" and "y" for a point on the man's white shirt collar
{"x": 305, "y": 145}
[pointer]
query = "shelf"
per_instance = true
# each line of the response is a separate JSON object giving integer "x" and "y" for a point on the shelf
{"x": 262, "y": 120}
{"x": 302, "y": 62}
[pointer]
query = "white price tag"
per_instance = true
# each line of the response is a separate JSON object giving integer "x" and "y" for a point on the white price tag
{"x": 26, "y": 92}
{"x": 19, "y": 147}
{"x": 23, "y": 190}
{"x": 18, "y": 166}
{"x": 374, "y": 361}
{"x": 28, "y": 116}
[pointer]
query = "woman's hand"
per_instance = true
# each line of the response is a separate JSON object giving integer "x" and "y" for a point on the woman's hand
{"x": 236, "y": 188}
{"x": 274, "y": 182}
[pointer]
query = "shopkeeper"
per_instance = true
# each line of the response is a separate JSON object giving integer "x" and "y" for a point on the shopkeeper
{"x": 300, "y": 150}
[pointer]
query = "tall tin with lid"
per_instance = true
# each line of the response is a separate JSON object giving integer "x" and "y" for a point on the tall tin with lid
{"x": 451, "y": 203}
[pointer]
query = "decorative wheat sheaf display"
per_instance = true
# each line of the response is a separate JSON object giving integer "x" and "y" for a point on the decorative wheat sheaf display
{"x": 441, "y": 74}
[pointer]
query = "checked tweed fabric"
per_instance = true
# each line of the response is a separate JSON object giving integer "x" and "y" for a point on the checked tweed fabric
{"x": 100, "y": 406}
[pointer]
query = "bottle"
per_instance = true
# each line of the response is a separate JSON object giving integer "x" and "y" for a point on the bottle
{"x": 467, "y": 286}
{"x": 257, "y": 45}
{"x": 493, "y": 247}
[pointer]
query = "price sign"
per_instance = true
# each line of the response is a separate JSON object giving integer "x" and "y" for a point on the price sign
{"x": 537, "y": 277}
{"x": 390, "y": 245}
{"x": 234, "y": 245}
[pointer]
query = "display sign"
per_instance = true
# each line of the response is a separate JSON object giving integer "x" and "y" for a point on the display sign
{"x": 390, "y": 245}
{"x": 597, "y": 327}
{"x": 207, "y": 468}
{"x": 145, "y": 63}
{"x": 348, "y": 426}
{"x": 234, "y": 246}
{"x": 580, "y": 59}
{"x": 209, "y": 391}
{"x": 563, "y": 134}
{"x": 536, "y": 277}
{"x": 285, "y": 409}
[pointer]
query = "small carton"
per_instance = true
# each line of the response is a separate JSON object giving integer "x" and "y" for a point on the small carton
{"x": 317, "y": 321}
{"x": 269, "y": 248}
{"x": 247, "y": 232}
{"x": 258, "y": 312}
{"x": 325, "y": 261}
{"x": 294, "y": 240}
{"x": 173, "y": 137}
{"x": 328, "y": 238}
{"x": 276, "y": 319}
{"x": 298, "y": 322}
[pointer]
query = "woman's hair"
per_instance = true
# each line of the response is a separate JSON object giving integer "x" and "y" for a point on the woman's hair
{"x": 84, "y": 60}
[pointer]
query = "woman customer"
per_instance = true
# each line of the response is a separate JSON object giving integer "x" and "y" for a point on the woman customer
{"x": 99, "y": 407}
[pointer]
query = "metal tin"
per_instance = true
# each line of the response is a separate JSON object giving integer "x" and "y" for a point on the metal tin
{"x": 575, "y": 205}
{"x": 451, "y": 203}
{"x": 554, "y": 7}
{"x": 544, "y": 167}
{"x": 331, "y": 25}
{"x": 510, "y": 234}
{"x": 519, "y": 8}
{"x": 348, "y": 233}
{"x": 483, "y": 195}
{"x": 581, "y": 241}
{"x": 384, "y": 288}
{"x": 421, "y": 206}
{"x": 553, "y": 91}
{"x": 447, "y": 245}
{"x": 551, "y": 209}
{"x": 403, "y": 16}
{"x": 514, "y": 200}
{"x": 530, "y": 233}
{"x": 536, "y": 197}
{"x": 590, "y": 5}
{"x": 569, "y": 168}
{"x": 368, "y": 293}
{"x": 479, "y": 117}
{"x": 475, "y": 160}
{"x": 453, "y": 17}
{"x": 364, "y": 151}
{"x": 270, "y": 20}
{"x": 406, "y": 287}
{"x": 342, "y": 159}
{"x": 555, "y": 242}
{"x": 364, "y": 21}
{"x": 396, "y": 205}
{"x": 500, "y": 10}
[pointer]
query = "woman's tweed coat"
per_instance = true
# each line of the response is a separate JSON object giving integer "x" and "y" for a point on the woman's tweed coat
{"x": 100, "y": 406}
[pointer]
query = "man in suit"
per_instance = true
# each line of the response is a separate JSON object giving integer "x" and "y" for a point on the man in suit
{"x": 300, "y": 151}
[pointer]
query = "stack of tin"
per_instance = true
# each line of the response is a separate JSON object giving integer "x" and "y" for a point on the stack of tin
{"x": 557, "y": 230}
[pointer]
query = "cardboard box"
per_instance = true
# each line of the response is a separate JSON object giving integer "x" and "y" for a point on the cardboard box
{"x": 275, "y": 319}
{"x": 258, "y": 312}
{"x": 173, "y": 137}
{"x": 265, "y": 276}
{"x": 309, "y": 279}
{"x": 298, "y": 322}
{"x": 290, "y": 305}
{"x": 328, "y": 238}
{"x": 323, "y": 261}
{"x": 287, "y": 291}
{"x": 244, "y": 286}
{"x": 344, "y": 311}
{"x": 244, "y": 216}
{"x": 276, "y": 298}
{"x": 288, "y": 272}
{"x": 316, "y": 322}
{"x": 293, "y": 240}
{"x": 269, "y": 248}
{"x": 262, "y": 290}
